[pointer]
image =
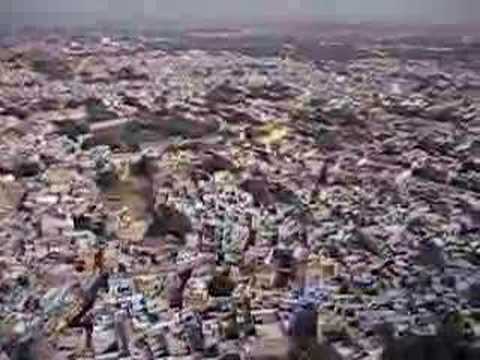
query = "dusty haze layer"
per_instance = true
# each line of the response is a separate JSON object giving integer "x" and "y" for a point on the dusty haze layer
{"x": 61, "y": 12}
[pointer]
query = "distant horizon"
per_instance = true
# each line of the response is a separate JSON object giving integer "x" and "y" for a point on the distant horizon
{"x": 46, "y": 21}
{"x": 211, "y": 12}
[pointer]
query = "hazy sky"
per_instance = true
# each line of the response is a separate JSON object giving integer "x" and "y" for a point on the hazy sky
{"x": 50, "y": 11}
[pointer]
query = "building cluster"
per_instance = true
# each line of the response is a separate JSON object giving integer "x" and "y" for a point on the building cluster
{"x": 159, "y": 202}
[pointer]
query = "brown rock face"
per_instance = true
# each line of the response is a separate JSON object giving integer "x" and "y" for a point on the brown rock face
{"x": 11, "y": 194}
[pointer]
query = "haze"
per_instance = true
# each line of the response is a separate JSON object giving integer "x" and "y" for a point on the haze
{"x": 61, "y": 12}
